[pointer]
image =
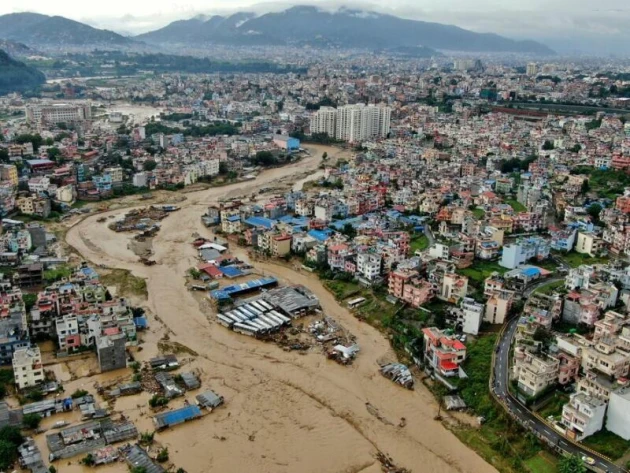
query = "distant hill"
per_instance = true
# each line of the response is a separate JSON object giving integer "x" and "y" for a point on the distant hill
{"x": 15, "y": 49}
{"x": 34, "y": 29}
{"x": 308, "y": 25}
{"x": 16, "y": 76}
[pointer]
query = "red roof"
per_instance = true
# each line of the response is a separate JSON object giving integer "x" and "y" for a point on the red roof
{"x": 448, "y": 365}
{"x": 111, "y": 331}
{"x": 213, "y": 271}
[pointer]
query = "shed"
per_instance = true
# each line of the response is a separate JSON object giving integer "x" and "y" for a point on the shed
{"x": 209, "y": 399}
{"x": 190, "y": 381}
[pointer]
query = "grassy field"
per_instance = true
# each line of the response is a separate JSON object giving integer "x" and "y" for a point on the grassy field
{"x": 420, "y": 242}
{"x": 480, "y": 270}
{"x": 516, "y": 205}
{"x": 554, "y": 407}
{"x": 542, "y": 463}
{"x": 574, "y": 259}
{"x": 549, "y": 288}
{"x": 608, "y": 444}
{"x": 127, "y": 283}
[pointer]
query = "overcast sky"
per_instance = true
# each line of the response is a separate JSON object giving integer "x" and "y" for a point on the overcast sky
{"x": 602, "y": 23}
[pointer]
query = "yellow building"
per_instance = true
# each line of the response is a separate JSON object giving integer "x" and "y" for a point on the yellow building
{"x": 8, "y": 172}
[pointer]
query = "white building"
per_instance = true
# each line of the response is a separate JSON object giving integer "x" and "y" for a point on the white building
{"x": 324, "y": 121}
{"x": 523, "y": 250}
{"x": 532, "y": 69}
{"x": 68, "y": 332}
{"x": 116, "y": 174}
{"x": 439, "y": 251}
{"x": 369, "y": 265}
{"x": 58, "y": 112}
{"x": 618, "y": 417}
{"x": 472, "y": 314}
{"x": 353, "y": 123}
{"x": 583, "y": 415}
{"x": 37, "y": 185}
{"x": 140, "y": 179}
{"x": 27, "y": 367}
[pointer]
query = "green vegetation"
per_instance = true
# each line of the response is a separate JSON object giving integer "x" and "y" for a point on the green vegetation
{"x": 88, "y": 460}
{"x": 571, "y": 464}
{"x": 53, "y": 275}
{"x": 479, "y": 213}
{"x": 608, "y": 444}
{"x": 158, "y": 401}
{"x": 608, "y": 183}
{"x": 31, "y": 421}
{"x": 554, "y": 406}
{"x": 126, "y": 282}
{"x": 574, "y": 259}
{"x": 146, "y": 438}
{"x": 138, "y": 469}
{"x": 17, "y": 76}
{"x": 419, "y": 243}
{"x": 481, "y": 270}
{"x": 549, "y": 288}
{"x": 516, "y": 205}
{"x": 6, "y": 380}
{"x": 162, "y": 455}
{"x": 218, "y": 128}
{"x": 542, "y": 463}
{"x": 79, "y": 393}
{"x": 10, "y": 440}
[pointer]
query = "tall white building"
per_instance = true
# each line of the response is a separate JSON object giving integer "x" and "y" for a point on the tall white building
{"x": 58, "y": 112}
{"x": 27, "y": 367}
{"x": 324, "y": 121}
{"x": 532, "y": 69}
{"x": 353, "y": 123}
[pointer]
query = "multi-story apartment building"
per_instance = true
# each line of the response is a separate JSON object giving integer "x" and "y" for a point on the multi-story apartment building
{"x": 68, "y": 332}
{"x": 524, "y": 250}
{"x": 369, "y": 265}
{"x": 58, "y": 113}
{"x": 498, "y": 306}
{"x": 8, "y": 172}
{"x": 471, "y": 315}
{"x": 28, "y": 370}
{"x": 583, "y": 415}
{"x": 353, "y": 123}
{"x": 534, "y": 372}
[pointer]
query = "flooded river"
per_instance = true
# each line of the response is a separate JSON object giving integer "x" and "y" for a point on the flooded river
{"x": 284, "y": 411}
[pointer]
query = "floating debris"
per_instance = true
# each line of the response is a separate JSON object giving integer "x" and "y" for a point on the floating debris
{"x": 398, "y": 373}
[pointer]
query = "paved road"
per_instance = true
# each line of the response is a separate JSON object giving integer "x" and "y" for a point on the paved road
{"x": 500, "y": 387}
{"x": 429, "y": 234}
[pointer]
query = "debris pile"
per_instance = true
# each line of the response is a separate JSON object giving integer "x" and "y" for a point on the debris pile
{"x": 398, "y": 373}
{"x": 145, "y": 220}
{"x": 387, "y": 464}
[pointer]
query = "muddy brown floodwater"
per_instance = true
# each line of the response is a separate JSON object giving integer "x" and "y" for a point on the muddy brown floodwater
{"x": 284, "y": 411}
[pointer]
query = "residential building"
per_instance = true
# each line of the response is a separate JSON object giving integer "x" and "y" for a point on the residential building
{"x": 618, "y": 416}
{"x": 353, "y": 123}
{"x": 8, "y": 172}
{"x": 28, "y": 370}
{"x": 523, "y": 251}
{"x": 472, "y": 314}
{"x": 111, "y": 353}
{"x": 68, "y": 332}
{"x": 443, "y": 353}
{"x": 58, "y": 113}
{"x": 498, "y": 307}
{"x": 534, "y": 372}
{"x": 589, "y": 243}
{"x": 583, "y": 415}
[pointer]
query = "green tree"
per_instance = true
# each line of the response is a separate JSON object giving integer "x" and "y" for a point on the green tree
{"x": 31, "y": 421}
{"x": 548, "y": 145}
{"x": 571, "y": 464}
{"x": 138, "y": 469}
{"x": 594, "y": 210}
{"x": 4, "y": 155}
{"x": 349, "y": 230}
{"x": 149, "y": 165}
{"x": 223, "y": 168}
{"x": 325, "y": 156}
{"x": 8, "y": 454}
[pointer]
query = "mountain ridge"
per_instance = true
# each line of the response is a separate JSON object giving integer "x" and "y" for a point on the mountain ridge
{"x": 347, "y": 27}
{"x": 35, "y": 29}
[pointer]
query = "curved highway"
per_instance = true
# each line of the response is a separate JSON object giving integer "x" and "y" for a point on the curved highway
{"x": 518, "y": 410}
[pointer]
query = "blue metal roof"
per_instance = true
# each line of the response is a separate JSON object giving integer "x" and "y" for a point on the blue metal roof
{"x": 260, "y": 222}
{"x": 177, "y": 416}
{"x": 531, "y": 271}
{"x": 227, "y": 291}
{"x": 233, "y": 218}
{"x": 231, "y": 271}
{"x": 320, "y": 235}
{"x": 141, "y": 322}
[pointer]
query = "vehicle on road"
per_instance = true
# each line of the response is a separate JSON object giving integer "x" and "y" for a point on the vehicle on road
{"x": 588, "y": 460}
